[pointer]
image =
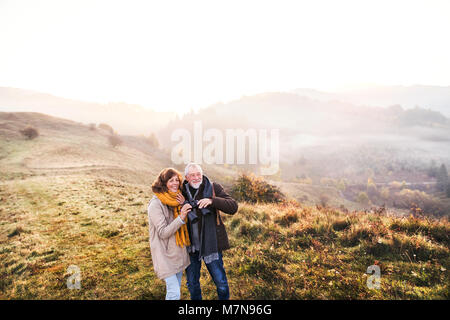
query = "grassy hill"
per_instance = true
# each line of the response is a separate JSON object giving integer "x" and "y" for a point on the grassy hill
{"x": 68, "y": 198}
{"x": 125, "y": 118}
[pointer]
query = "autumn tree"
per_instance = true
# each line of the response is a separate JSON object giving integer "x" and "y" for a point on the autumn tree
{"x": 363, "y": 198}
{"x": 442, "y": 178}
{"x": 432, "y": 170}
{"x": 372, "y": 190}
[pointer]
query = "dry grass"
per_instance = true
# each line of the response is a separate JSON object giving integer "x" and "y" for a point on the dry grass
{"x": 279, "y": 251}
{"x": 92, "y": 214}
{"x": 99, "y": 225}
{"x": 300, "y": 252}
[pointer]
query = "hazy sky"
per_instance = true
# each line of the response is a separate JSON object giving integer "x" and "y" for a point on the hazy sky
{"x": 177, "y": 55}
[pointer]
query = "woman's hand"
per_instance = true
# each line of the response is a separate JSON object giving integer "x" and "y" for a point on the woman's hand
{"x": 180, "y": 198}
{"x": 185, "y": 210}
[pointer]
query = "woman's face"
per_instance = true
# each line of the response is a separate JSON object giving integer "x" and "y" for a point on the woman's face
{"x": 173, "y": 184}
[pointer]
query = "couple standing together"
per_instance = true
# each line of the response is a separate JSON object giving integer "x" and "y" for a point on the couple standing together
{"x": 185, "y": 228}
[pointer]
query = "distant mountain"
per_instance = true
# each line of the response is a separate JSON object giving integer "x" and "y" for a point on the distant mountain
{"x": 335, "y": 136}
{"x": 124, "y": 118}
{"x": 436, "y": 98}
{"x": 294, "y": 114}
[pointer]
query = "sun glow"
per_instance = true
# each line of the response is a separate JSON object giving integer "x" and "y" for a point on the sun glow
{"x": 178, "y": 55}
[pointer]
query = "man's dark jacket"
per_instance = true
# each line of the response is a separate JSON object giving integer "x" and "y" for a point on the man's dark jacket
{"x": 220, "y": 201}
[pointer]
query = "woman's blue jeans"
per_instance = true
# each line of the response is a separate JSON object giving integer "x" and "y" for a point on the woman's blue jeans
{"x": 217, "y": 273}
{"x": 173, "y": 285}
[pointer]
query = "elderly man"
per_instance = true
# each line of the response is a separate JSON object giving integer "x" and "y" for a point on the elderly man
{"x": 206, "y": 230}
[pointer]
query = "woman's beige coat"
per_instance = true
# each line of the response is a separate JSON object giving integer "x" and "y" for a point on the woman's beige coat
{"x": 168, "y": 258}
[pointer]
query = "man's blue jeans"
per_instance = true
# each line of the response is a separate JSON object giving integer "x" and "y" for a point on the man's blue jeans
{"x": 217, "y": 273}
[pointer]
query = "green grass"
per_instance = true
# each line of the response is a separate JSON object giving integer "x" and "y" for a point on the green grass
{"x": 279, "y": 251}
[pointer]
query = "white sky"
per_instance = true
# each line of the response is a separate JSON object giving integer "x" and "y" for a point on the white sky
{"x": 177, "y": 55}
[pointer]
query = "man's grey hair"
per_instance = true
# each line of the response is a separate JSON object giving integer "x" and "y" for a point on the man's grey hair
{"x": 192, "y": 164}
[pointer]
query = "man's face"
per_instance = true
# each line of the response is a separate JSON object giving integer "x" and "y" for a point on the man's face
{"x": 194, "y": 177}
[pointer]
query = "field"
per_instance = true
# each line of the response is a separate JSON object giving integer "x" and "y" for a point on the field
{"x": 85, "y": 205}
{"x": 278, "y": 251}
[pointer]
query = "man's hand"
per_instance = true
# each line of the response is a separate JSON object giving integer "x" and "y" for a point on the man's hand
{"x": 203, "y": 203}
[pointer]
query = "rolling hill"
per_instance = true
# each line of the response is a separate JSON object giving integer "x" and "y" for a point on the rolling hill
{"x": 436, "y": 98}
{"x": 125, "y": 118}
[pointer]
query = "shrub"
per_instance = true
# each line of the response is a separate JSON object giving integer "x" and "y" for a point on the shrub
{"x": 328, "y": 182}
{"x": 302, "y": 240}
{"x": 255, "y": 189}
{"x": 304, "y": 198}
{"x": 355, "y": 235}
{"x": 340, "y": 225}
{"x": 408, "y": 247}
{"x": 341, "y": 185}
{"x": 109, "y": 233}
{"x": 385, "y": 193}
{"x": 438, "y": 232}
{"x": 17, "y": 231}
{"x": 397, "y": 185}
{"x": 115, "y": 140}
{"x": 250, "y": 230}
{"x": 106, "y": 127}
{"x": 30, "y": 132}
{"x": 261, "y": 268}
{"x": 408, "y": 199}
{"x": 235, "y": 223}
{"x": 324, "y": 200}
{"x": 152, "y": 141}
{"x": 287, "y": 219}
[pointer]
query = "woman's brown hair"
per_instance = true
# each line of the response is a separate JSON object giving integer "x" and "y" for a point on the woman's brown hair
{"x": 160, "y": 183}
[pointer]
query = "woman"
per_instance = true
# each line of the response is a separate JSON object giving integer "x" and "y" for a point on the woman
{"x": 168, "y": 232}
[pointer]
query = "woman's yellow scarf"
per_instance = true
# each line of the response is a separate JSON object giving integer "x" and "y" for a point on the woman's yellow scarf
{"x": 169, "y": 198}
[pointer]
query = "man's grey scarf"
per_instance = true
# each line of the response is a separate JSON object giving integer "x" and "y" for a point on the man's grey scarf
{"x": 206, "y": 244}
